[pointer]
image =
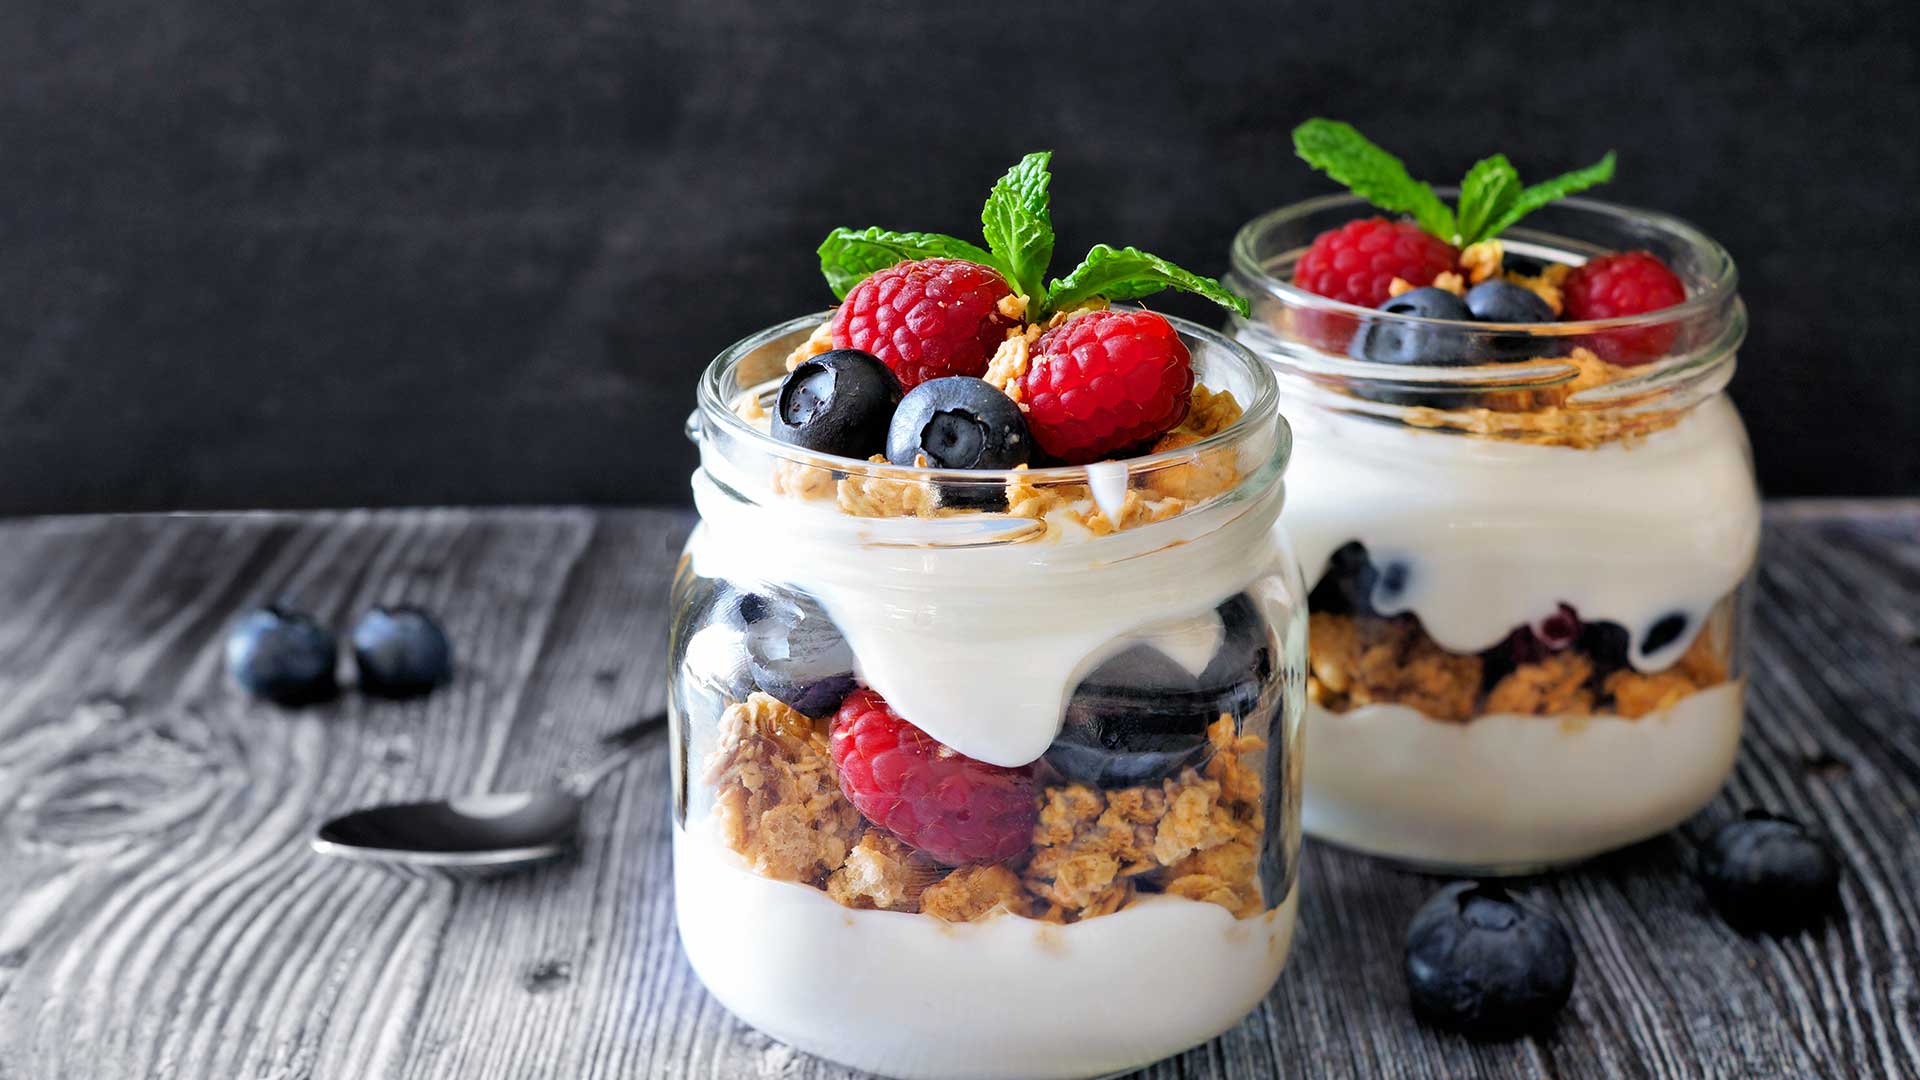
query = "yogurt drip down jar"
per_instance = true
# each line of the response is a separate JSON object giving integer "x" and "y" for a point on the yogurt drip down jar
{"x": 1528, "y": 559}
{"x": 1109, "y": 664}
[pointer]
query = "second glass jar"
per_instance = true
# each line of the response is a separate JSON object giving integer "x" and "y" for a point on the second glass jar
{"x": 1527, "y": 557}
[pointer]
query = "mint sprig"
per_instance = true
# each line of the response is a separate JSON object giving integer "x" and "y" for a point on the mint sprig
{"x": 1017, "y": 223}
{"x": 848, "y": 256}
{"x": 1491, "y": 196}
{"x": 1128, "y": 274}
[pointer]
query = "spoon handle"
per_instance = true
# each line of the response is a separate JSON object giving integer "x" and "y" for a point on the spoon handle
{"x": 620, "y": 746}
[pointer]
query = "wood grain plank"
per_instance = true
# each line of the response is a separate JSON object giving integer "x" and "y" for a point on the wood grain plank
{"x": 160, "y": 917}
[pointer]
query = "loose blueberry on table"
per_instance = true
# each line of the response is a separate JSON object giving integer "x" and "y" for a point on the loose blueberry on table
{"x": 1769, "y": 874}
{"x": 282, "y": 655}
{"x": 1420, "y": 266}
{"x": 1486, "y": 963}
{"x": 400, "y": 652}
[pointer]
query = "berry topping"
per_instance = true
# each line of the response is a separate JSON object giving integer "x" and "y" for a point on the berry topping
{"x": 1484, "y": 963}
{"x": 1629, "y": 283}
{"x": 400, "y": 652}
{"x": 1390, "y": 341}
{"x": 1499, "y": 301}
{"x": 282, "y": 655}
{"x": 792, "y": 650}
{"x": 951, "y": 808}
{"x": 958, "y": 423}
{"x": 837, "y": 403}
{"x": 1106, "y": 381}
{"x": 1359, "y": 260}
{"x": 926, "y": 319}
{"x": 1769, "y": 873}
{"x": 1142, "y": 715}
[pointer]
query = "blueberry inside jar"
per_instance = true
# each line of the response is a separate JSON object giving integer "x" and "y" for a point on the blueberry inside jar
{"x": 983, "y": 700}
{"x": 1528, "y": 522}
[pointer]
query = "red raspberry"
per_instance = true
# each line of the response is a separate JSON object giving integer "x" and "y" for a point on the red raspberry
{"x": 1106, "y": 381}
{"x": 1357, "y": 261}
{"x": 950, "y": 807}
{"x": 926, "y": 319}
{"x": 1629, "y": 283}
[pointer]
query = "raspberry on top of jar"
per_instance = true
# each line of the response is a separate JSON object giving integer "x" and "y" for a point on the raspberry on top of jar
{"x": 1461, "y": 299}
{"x": 947, "y": 356}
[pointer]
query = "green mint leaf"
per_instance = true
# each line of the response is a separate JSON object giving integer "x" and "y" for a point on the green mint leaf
{"x": 1490, "y": 190}
{"x": 848, "y": 256}
{"x": 1128, "y": 274}
{"x": 1536, "y": 196}
{"x": 1019, "y": 228}
{"x": 1371, "y": 173}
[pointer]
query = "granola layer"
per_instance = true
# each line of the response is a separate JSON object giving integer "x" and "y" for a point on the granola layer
{"x": 1197, "y": 835}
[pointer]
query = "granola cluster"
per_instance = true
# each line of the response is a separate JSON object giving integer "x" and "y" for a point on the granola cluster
{"x": 1152, "y": 495}
{"x": 1196, "y": 835}
{"x": 1356, "y": 660}
{"x": 778, "y": 804}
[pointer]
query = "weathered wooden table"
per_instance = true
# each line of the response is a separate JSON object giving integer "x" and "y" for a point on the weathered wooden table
{"x": 160, "y": 915}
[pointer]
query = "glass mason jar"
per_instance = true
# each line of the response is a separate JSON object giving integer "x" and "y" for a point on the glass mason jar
{"x": 1119, "y": 649}
{"x": 1529, "y": 550}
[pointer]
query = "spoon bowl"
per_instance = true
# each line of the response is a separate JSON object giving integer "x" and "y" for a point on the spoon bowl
{"x": 482, "y": 835}
{"x": 475, "y": 835}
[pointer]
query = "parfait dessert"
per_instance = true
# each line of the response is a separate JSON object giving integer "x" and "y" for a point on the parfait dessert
{"x": 1525, "y": 507}
{"x": 988, "y": 663}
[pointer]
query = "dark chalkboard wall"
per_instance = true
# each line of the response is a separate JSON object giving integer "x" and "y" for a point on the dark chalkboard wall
{"x": 298, "y": 254}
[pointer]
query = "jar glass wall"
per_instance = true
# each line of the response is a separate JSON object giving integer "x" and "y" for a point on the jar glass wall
{"x": 1527, "y": 552}
{"x": 1080, "y": 854}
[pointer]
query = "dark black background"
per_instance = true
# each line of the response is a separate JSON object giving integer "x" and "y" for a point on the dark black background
{"x": 298, "y": 254}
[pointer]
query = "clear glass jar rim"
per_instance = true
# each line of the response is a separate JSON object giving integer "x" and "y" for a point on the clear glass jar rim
{"x": 716, "y": 404}
{"x": 1718, "y": 291}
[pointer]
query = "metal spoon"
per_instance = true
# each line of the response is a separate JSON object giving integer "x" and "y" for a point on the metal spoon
{"x": 483, "y": 835}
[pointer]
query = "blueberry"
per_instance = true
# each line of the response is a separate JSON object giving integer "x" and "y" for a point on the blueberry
{"x": 792, "y": 650}
{"x": 400, "y": 652}
{"x": 1608, "y": 644}
{"x": 1504, "y": 302}
{"x": 1390, "y": 341}
{"x": 1346, "y": 587}
{"x": 960, "y": 423}
{"x": 1484, "y": 963}
{"x": 1141, "y": 716}
{"x": 1664, "y": 632}
{"x": 837, "y": 403}
{"x": 1769, "y": 873}
{"x": 1499, "y": 301}
{"x": 282, "y": 655}
{"x": 1393, "y": 579}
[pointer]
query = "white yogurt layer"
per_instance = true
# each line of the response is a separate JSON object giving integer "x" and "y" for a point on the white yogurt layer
{"x": 911, "y": 996}
{"x": 1504, "y": 792}
{"x": 1495, "y": 534}
{"x": 980, "y": 645}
